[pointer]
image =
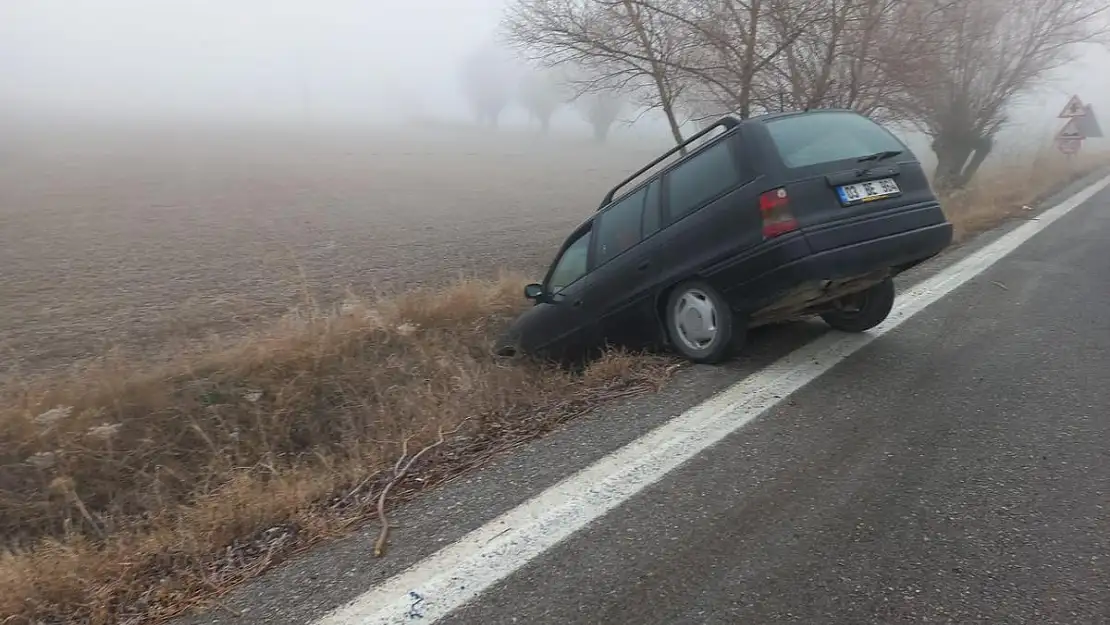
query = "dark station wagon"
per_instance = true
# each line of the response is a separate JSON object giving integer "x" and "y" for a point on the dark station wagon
{"x": 777, "y": 217}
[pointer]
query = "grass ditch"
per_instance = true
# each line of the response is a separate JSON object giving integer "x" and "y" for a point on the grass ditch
{"x": 1012, "y": 188}
{"x": 131, "y": 492}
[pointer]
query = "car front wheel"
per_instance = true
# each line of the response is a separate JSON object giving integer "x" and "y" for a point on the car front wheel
{"x": 862, "y": 311}
{"x": 699, "y": 323}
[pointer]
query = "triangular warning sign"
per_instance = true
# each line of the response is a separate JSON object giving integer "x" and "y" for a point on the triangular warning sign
{"x": 1074, "y": 108}
{"x": 1088, "y": 124}
{"x": 1070, "y": 130}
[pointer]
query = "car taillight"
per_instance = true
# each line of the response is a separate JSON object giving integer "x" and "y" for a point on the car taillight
{"x": 774, "y": 205}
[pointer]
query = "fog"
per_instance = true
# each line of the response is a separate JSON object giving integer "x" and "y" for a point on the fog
{"x": 288, "y": 60}
{"x": 300, "y": 62}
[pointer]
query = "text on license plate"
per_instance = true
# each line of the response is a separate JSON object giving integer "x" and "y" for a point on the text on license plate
{"x": 867, "y": 191}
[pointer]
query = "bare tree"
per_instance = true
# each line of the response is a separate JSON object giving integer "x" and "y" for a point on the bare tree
{"x": 961, "y": 64}
{"x": 487, "y": 84}
{"x": 600, "y": 109}
{"x": 703, "y": 107}
{"x": 732, "y": 44}
{"x": 613, "y": 45}
{"x": 695, "y": 59}
{"x": 953, "y": 68}
{"x": 541, "y": 93}
{"x": 831, "y": 60}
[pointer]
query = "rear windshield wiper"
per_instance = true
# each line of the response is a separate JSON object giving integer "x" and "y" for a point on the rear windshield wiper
{"x": 879, "y": 156}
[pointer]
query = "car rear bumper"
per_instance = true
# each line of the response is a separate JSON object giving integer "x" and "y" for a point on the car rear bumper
{"x": 842, "y": 233}
{"x": 895, "y": 252}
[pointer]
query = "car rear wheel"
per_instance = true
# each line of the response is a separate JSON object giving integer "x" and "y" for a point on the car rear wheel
{"x": 862, "y": 311}
{"x": 699, "y": 323}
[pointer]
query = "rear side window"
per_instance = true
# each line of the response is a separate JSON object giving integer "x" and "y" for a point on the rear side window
{"x": 618, "y": 227}
{"x": 706, "y": 175}
{"x": 817, "y": 138}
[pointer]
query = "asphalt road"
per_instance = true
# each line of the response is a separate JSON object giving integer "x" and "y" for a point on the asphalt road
{"x": 955, "y": 470}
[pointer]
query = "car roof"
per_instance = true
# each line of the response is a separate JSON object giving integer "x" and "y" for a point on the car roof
{"x": 767, "y": 117}
{"x": 729, "y": 122}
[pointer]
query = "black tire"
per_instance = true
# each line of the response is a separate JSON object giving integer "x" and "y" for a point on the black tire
{"x": 864, "y": 310}
{"x": 721, "y": 323}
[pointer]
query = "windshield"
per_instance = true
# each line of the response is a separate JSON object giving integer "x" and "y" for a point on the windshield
{"x": 571, "y": 266}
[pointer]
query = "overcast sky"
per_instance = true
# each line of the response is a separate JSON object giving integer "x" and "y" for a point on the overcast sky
{"x": 280, "y": 58}
{"x": 235, "y": 55}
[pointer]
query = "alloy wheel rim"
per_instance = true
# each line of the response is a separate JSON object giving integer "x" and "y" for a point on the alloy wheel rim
{"x": 695, "y": 319}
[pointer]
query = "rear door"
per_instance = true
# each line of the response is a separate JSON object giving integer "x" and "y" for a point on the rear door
{"x": 625, "y": 267}
{"x": 840, "y": 167}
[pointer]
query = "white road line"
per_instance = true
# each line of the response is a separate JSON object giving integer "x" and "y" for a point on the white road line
{"x": 458, "y": 573}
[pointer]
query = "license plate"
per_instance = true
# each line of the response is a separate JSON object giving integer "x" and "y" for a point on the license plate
{"x": 867, "y": 191}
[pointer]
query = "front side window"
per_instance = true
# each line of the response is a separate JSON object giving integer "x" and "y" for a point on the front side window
{"x": 830, "y": 136}
{"x": 704, "y": 176}
{"x": 618, "y": 227}
{"x": 572, "y": 265}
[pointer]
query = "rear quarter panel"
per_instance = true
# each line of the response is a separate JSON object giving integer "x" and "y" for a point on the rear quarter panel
{"x": 723, "y": 228}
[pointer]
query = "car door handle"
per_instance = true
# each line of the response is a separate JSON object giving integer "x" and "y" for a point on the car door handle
{"x": 576, "y": 303}
{"x": 644, "y": 265}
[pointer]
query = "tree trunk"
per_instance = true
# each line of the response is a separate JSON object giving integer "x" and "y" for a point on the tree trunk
{"x": 959, "y": 156}
{"x": 953, "y": 151}
{"x": 672, "y": 121}
{"x": 982, "y": 151}
{"x": 658, "y": 74}
{"x": 601, "y": 131}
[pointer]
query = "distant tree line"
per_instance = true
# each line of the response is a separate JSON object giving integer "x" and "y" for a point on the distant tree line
{"x": 491, "y": 81}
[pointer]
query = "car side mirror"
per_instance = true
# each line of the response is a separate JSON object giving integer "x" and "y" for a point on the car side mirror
{"x": 534, "y": 292}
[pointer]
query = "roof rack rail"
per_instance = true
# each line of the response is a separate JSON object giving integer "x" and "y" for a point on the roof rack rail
{"x": 727, "y": 122}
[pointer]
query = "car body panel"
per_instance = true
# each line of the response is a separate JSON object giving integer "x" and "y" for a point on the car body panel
{"x": 883, "y": 256}
{"x": 843, "y": 232}
{"x": 717, "y": 232}
{"x": 622, "y": 293}
{"x": 733, "y": 271}
{"x": 557, "y": 330}
{"x": 711, "y": 236}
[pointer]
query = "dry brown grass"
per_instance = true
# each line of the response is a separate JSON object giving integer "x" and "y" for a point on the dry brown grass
{"x": 129, "y": 493}
{"x": 1004, "y": 190}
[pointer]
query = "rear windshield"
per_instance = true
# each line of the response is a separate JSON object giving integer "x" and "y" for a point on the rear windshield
{"x": 816, "y": 138}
